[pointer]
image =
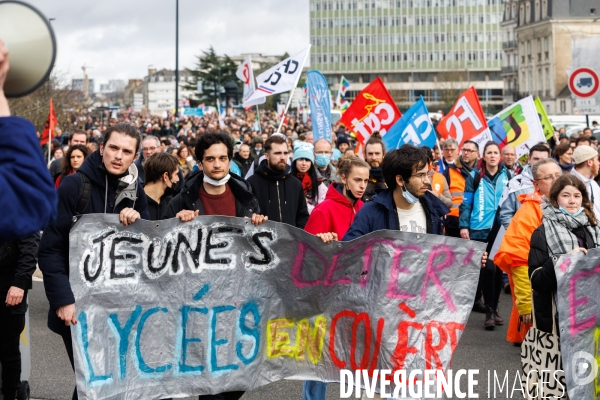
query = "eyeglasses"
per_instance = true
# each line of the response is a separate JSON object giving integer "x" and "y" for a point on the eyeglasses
{"x": 450, "y": 149}
{"x": 549, "y": 177}
{"x": 423, "y": 176}
{"x": 468, "y": 151}
{"x": 147, "y": 149}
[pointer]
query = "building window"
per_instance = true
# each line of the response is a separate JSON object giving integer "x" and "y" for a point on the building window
{"x": 563, "y": 106}
{"x": 537, "y": 10}
{"x": 544, "y": 9}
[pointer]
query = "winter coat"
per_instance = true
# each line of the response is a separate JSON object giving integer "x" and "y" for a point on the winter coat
{"x": 543, "y": 279}
{"x": 27, "y": 193}
{"x": 188, "y": 199}
{"x": 509, "y": 203}
{"x": 280, "y": 195}
{"x": 334, "y": 214}
{"x": 157, "y": 210}
{"x": 53, "y": 257}
{"x": 381, "y": 213}
{"x": 322, "y": 190}
{"x": 513, "y": 258}
{"x": 376, "y": 183}
{"x": 328, "y": 176}
{"x": 478, "y": 209}
{"x": 243, "y": 163}
{"x": 18, "y": 260}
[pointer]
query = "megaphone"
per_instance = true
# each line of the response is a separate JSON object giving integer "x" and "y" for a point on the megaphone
{"x": 31, "y": 44}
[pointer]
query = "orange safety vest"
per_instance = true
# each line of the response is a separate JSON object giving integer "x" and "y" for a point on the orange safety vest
{"x": 457, "y": 190}
{"x": 438, "y": 182}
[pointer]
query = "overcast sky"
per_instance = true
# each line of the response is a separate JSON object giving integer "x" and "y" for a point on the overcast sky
{"x": 119, "y": 39}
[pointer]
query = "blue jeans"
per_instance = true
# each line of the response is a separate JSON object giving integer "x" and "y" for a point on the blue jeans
{"x": 314, "y": 390}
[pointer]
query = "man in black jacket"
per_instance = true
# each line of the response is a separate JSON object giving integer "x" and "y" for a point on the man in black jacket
{"x": 111, "y": 179}
{"x": 18, "y": 259}
{"x": 374, "y": 153}
{"x": 279, "y": 194}
{"x": 243, "y": 159}
{"x": 213, "y": 191}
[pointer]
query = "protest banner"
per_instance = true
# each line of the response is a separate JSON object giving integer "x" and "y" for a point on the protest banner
{"x": 172, "y": 309}
{"x": 465, "y": 121}
{"x": 414, "y": 127}
{"x": 517, "y": 125}
{"x": 193, "y": 112}
{"x": 245, "y": 74}
{"x": 373, "y": 110}
{"x": 544, "y": 120}
{"x": 280, "y": 78}
{"x": 320, "y": 106}
{"x": 578, "y": 306}
{"x": 340, "y": 99}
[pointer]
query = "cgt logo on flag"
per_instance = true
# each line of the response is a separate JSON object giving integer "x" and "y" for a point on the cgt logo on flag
{"x": 372, "y": 110}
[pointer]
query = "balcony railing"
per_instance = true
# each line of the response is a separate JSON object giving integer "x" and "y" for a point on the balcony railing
{"x": 511, "y": 44}
{"x": 508, "y": 70}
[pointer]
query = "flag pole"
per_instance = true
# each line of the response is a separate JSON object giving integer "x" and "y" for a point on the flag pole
{"x": 292, "y": 93}
{"x": 49, "y": 142}
{"x": 258, "y": 116}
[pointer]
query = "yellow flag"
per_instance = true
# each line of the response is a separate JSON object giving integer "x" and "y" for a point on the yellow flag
{"x": 546, "y": 125}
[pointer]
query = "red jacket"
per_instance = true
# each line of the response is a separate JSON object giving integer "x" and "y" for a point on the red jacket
{"x": 334, "y": 214}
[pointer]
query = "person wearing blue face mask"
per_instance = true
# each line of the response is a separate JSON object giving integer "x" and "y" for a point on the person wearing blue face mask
{"x": 326, "y": 172}
{"x": 407, "y": 204}
{"x": 569, "y": 225}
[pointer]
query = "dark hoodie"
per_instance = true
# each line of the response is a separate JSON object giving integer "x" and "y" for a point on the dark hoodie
{"x": 187, "y": 199}
{"x": 53, "y": 256}
{"x": 279, "y": 195}
{"x": 243, "y": 163}
{"x": 376, "y": 183}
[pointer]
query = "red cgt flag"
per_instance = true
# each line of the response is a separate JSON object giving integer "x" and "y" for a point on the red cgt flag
{"x": 51, "y": 122}
{"x": 465, "y": 120}
{"x": 372, "y": 110}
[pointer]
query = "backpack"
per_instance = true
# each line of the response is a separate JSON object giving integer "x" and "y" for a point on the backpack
{"x": 85, "y": 193}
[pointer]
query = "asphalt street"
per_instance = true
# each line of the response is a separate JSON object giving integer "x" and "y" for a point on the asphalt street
{"x": 53, "y": 378}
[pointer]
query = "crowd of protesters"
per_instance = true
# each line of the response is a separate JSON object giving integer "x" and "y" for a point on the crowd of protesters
{"x": 142, "y": 167}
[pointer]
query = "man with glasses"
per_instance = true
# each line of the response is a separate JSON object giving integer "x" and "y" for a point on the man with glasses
{"x": 449, "y": 152}
{"x": 406, "y": 205}
{"x": 456, "y": 175}
{"x": 509, "y": 160}
{"x": 279, "y": 194}
{"x": 520, "y": 184}
{"x": 512, "y": 256}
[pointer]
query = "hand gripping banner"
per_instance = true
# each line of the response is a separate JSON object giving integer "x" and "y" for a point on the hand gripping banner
{"x": 171, "y": 309}
{"x": 578, "y": 306}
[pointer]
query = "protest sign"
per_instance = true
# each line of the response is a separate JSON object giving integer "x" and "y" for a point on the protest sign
{"x": 414, "y": 127}
{"x": 465, "y": 121}
{"x": 517, "y": 125}
{"x": 373, "y": 110}
{"x": 320, "y": 105}
{"x": 172, "y": 309}
{"x": 578, "y": 306}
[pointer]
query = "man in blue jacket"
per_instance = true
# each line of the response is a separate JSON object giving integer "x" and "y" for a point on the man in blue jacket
{"x": 27, "y": 198}
{"x": 407, "y": 204}
{"x": 111, "y": 181}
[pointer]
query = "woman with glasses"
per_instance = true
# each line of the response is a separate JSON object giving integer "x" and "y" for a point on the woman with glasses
{"x": 477, "y": 214}
{"x": 563, "y": 153}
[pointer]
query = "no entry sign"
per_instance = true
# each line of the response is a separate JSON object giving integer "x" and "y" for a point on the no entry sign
{"x": 584, "y": 82}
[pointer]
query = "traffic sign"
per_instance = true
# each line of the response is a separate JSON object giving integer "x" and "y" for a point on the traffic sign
{"x": 584, "y": 82}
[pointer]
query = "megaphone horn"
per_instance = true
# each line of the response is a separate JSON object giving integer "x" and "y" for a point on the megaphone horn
{"x": 31, "y": 44}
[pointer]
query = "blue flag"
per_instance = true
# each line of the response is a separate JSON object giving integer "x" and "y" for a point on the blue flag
{"x": 320, "y": 105}
{"x": 414, "y": 128}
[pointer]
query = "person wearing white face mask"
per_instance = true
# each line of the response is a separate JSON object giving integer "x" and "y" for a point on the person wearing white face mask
{"x": 213, "y": 191}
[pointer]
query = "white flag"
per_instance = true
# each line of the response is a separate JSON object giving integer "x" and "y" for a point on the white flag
{"x": 280, "y": 78}
{"x": 246, "y": 75}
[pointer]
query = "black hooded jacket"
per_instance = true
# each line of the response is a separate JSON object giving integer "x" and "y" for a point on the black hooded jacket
{"x": 243, "y": 163}
{"x": 53, "y": 256}
{"x": 280, "y": 195}
{"x": 187, "y": 199}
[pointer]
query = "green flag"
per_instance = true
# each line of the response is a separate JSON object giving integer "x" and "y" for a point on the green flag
{"x": 546, "y": 125}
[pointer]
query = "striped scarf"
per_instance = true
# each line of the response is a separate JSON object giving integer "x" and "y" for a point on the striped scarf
{"x": 559, "y": 226}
